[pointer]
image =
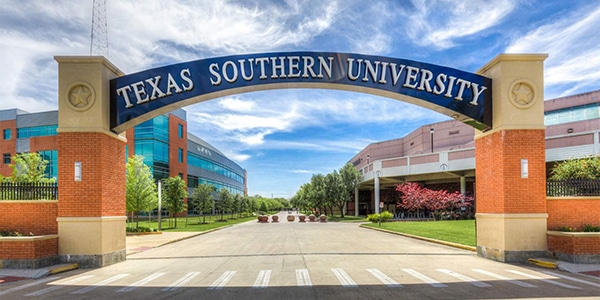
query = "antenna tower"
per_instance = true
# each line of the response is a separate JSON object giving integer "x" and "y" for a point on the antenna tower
{"x": 99, "y": 40}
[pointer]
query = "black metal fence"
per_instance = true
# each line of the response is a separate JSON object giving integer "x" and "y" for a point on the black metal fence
{"x": 573, "y": 187}
{"x": 28, "y": 191}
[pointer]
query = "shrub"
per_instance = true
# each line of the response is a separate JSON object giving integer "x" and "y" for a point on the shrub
{"x": 590, "y": 228}
{"x": 385, "y": 216}
{"x": 374, "y": 218}
{"x": 140, "y": 229}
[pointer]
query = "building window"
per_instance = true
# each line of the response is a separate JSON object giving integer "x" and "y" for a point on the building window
{"x": 6, "y": 158}
{"x": 29, "y": 132}
{"x": 7, "y": 134}
{"x": 180, "y": 155}
{"x": 180, "y": 130}
{"x": 52, "y": 157}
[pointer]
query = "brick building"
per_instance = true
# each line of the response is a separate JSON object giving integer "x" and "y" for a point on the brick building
{"x": 442, "y": 155}
{"x": 168, "y": 148}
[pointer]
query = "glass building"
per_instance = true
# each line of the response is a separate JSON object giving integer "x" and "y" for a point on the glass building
{"x": 168, "y": 149}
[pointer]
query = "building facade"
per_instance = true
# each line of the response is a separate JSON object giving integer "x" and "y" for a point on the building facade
{"x": 442, "y": 155}
{"x": 168, "y": 148}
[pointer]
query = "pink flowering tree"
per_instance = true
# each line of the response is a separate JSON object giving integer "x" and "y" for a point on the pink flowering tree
{"x": 442, "y": 203}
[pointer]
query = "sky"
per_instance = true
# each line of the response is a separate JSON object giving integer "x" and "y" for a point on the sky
{"x": 283, "y": 137}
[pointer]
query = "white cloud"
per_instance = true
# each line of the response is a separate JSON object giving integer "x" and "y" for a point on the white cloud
{"x": 572, "y": 45}
{"x": 440, "y": 23}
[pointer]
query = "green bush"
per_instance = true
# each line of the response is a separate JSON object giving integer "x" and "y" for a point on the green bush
{"x": 590, "y": 228}
{"x": 385, "y": 216}
{"x": 580, "y": 168}
{"x": 140, "y": 229}
{"x": 374, "y": 218}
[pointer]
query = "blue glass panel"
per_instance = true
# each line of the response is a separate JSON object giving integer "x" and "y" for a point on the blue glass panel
{"x": 28, "y": 132}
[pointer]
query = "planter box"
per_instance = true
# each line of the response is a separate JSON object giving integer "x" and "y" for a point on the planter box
{"x": 575, "y": 247}
{"x": 28, "y": 252}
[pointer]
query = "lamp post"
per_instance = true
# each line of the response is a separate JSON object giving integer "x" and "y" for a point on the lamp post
{"x": 431, "y": 132}
{"x": 159, "y": 205}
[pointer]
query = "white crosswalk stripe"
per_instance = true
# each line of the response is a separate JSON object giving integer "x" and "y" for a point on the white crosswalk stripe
{"x": 59, "y": 286}
{"x": 504, "y": 278}
{"x": 262, "y": 280}
{"x": 424, "y": 278}
{"x": 571, "y": 278}
{"x": 28, "y": 285}
{"x": 550, "y": 281}
{"x": 344, "y": 278}
{"x": 99, "y": 284}
{"x": 303, "y": 278}
{"x": 181, "y": 281}
{"x": 464, "y": 278}
{"x": 222, "y": 281}
{"x": 139, "y": 283}
{"x": 384, "y": 278}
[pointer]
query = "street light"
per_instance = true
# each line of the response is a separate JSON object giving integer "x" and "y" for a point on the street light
{"x": 431, "y": 132}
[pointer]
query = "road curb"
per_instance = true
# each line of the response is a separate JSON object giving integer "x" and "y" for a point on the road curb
{"x": 543, "y": 263}
{"x": 63, "y": 268}
{"x": 455, "y": 245}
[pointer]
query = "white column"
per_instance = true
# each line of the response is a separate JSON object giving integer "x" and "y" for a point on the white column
{"x": 356, "y": 202}
{"x": 377, "y": 200}
{"x": 463, "y": 185}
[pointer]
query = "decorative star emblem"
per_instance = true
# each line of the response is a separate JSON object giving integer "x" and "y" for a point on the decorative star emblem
{"x": 522, "y": 93}
{"x": 80, "y": 96}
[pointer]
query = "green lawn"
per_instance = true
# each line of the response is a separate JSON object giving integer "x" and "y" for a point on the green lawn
{"x": 460, "y": 232}
{"x": 191, "y": 224}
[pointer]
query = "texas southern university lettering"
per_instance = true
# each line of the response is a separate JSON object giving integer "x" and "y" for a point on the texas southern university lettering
{"x": 142, "y": 92}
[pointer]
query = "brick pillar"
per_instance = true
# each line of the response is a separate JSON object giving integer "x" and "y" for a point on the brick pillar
{"x": 510, "y": 159}
{"x": 91, "y": 165}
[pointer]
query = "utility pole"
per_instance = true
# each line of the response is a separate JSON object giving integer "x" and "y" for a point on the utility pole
{"x": 99, "y": 35}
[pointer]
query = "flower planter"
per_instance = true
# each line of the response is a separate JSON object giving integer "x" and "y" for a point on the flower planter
{"x": 323, "y": 218}
{"x": 575, "y": 247}
{"x": 311, "y": 218}
{"x": 263, "y": 219}
{"x": 29, "y": 252}
{"x": 302, "y": 218}
{"x": 291, "y": 218}
{"x": 275, "y": 219}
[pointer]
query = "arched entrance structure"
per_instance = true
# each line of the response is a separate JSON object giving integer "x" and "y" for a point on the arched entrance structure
{"x": 97, "y": 103}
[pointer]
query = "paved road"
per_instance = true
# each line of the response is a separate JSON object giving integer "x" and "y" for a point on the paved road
{"x": 306, "y": 261}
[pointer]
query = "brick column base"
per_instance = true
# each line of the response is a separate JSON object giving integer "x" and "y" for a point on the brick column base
{"x": 511, "y": 197}
{"x": 91, "y": 208}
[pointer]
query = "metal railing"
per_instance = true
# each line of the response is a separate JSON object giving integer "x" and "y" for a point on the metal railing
{"x": 28, "y": 191}
{"x": 573, "y": 187}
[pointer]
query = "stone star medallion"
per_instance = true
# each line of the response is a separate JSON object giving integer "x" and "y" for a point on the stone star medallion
{"x": 81, "y": 96}
{"x": 522, "y": 94}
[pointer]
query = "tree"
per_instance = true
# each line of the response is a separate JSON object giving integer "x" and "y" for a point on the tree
{"x": 202, "y": 199}
{"x": 579, "y": 168}
{"x": 141, "y": 194}
{"x": 333, "y": 191}
{"x": 236, "y": 204}
{"x": 173, "y": 192}
{"x": 29, "y": 168}
{"x": 350, "y": 179}
{"x": 316, "y": 191}
{"x": 224, "y": 202}
{"x": 245, "y": 204}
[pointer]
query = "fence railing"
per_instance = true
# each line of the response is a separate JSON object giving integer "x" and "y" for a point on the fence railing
{"x": 28, "y": 191}
{"x": 573, "y": 187}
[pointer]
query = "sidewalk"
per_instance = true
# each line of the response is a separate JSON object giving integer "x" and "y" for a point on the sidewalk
{"x": 134, "y": 244}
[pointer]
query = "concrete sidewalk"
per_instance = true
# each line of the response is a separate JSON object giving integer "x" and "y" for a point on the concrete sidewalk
{"x": 134, "y": 244}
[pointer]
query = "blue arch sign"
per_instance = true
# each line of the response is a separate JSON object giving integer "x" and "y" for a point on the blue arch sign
{"x": 144, "y": 95}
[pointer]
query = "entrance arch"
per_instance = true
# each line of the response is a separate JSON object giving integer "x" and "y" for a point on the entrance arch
{"x": 97, "y": 103}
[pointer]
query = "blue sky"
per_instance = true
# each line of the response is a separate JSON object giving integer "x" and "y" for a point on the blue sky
{"x": 282, "y": 137}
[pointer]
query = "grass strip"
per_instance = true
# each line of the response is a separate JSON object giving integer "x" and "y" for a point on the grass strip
{"x": 192, "y": 224}
{"x": 459, "y": 231}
